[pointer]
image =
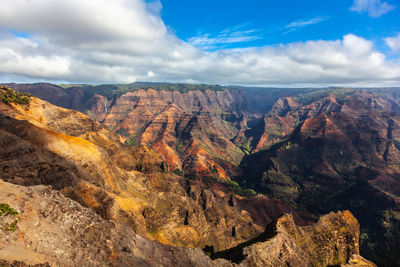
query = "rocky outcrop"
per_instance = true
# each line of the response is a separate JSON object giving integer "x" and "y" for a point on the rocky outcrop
{"x": 332, "y": 241}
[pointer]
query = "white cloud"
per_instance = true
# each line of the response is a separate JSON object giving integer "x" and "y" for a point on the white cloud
{"x": 394, "y": 42}
{"x": 237, "y": 34}
{"x": 295, "y": 25}
{"x": 375, "y": 8}
{"x": 19, "y": 56}
{"x": 124, "y": 41}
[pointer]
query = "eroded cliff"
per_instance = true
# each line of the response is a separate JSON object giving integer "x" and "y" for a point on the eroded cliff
{"x": 318, "y": 150}
{"x": 45, "y": 144}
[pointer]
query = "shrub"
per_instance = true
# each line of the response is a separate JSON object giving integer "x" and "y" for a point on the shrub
{"x": 11, "y": 227}
{"x": 8, "y": 96}
{"x": 6, "y": 212}
{"x": 246, "y": 147}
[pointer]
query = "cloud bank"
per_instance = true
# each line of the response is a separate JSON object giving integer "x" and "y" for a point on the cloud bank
{"x": 122, "y": 41}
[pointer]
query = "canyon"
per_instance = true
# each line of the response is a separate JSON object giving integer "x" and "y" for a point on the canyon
{"x": 215, "y": 168}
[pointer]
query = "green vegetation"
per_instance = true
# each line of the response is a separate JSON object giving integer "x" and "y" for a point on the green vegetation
{"x": 8, "y": 96}
{"x": 179, "y": 172}
{"x": 6, "y": 212}
{"x": 190, "y": 176}
{"x": 181, "y": 87}
{"x": 308, "y": 96}
{"x": 246, "y": 147}
{"x": 245, "y": 192}
{"x": 132, "y": 140}
{"x": 385, "y": 230}
{"x": 281, "y": 186}
{"x": 121, "y": 131}
{"x": 113, "y": 91}
{"x": 288, "y": 145}
{"x": 178, "y": 147}
{"x": 11, "y": 227}
{"x": 229, "y": 124}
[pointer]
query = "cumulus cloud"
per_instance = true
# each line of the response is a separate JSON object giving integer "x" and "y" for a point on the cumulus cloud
{"x": 394, "y": 43}
{"x": 375, "y": 8}
{"x": 123, "y": 41}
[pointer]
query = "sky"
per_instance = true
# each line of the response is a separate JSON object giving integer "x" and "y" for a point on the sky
{"x": 286, "y": 43}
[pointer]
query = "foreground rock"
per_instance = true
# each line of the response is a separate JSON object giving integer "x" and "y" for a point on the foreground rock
{"x": 332, "y": 241}
{"x": 58, "y": 231}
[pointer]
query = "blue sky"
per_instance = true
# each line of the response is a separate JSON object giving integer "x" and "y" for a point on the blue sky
{"x": 255, "y": 43}
{"x": 269, "y": 20}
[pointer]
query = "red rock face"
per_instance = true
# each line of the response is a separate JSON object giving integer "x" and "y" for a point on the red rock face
{"x": 337, "y": 155}
{"x": 188, "y": 129}
{"x": 202, "y": 132}
{"x": 360, "y": 130}
{"x": 286, "y": 114}
{"x": 98, "y": 107}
